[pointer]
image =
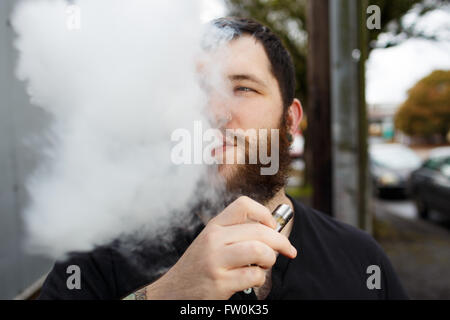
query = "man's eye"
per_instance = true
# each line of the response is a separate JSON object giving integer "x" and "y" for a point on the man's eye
{"x": 244, "y": 89}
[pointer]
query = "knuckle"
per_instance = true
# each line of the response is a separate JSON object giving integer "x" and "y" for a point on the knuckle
{"x": 243, "y": 201}
{"x": 260, "y": 277}
{"x": 212, "y": 269}
{"x": 265, "y": 231}
{"x": 261, "y": 228}
{"x": 247, "y": 273}
{"x": 255, "y": 276}
{"x": 215, "y": 273}
{"x": 279, "y": 238}
{"x": 244, "y": 198}
{"x": 272, "y": 257}
{"x": 242, "y": 275}
{"x": 256, "y": 248}
{"x": 211, "y": 235}
{"x": 213, "y": 220}
{"x": 267, "y": 253}
{"x": 214, "y": 228}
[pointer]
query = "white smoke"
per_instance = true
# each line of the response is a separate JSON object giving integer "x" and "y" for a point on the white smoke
{"x": 117, "y": 78}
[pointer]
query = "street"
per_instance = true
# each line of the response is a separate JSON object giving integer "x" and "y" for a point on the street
{"x": 405, "y": 208}
{"x": 418, "y": 249}
{"x": 399, "y": 207}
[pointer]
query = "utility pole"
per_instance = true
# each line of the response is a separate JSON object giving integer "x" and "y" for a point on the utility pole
{"x": 349, "y": 120}
{"x": 319, "y": 106}
{"x": 337, "y": 120}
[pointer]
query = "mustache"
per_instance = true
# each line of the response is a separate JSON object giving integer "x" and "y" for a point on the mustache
{"x": 234, "y": 137}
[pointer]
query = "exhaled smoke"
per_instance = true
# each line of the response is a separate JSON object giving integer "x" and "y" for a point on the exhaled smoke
{"x": 117, "y": 77}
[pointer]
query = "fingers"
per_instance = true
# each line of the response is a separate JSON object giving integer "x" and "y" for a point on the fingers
{"x": 259, "y": 232}
{"x": 242, "y": 254}
{"x": 242, "y": 210}
{"x": 243, "y": 278}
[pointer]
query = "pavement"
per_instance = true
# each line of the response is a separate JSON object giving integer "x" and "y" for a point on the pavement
{"x": 419, "y": 250}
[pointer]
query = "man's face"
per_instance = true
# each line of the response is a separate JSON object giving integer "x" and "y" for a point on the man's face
{"x": 248, "y": 98}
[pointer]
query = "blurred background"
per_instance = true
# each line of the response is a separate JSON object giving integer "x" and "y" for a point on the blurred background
{"x": 373, "y": 149}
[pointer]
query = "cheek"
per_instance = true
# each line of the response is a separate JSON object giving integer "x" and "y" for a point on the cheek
{"x": 258, "y": 113}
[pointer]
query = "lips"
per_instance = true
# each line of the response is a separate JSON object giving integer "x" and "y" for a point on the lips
{"x": 222, "y": 147}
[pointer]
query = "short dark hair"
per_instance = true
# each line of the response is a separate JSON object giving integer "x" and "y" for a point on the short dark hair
{"x": 282, "y": 66}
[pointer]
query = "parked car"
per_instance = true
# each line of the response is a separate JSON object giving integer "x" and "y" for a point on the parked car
{"x": 390, "y": 168}
{"x": 430, "y": 184}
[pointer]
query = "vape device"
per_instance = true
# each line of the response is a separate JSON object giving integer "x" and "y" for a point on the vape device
{"x": 282, "y": 214}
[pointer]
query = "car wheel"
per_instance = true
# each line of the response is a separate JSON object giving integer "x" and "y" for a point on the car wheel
{"x": 422, "y": 208}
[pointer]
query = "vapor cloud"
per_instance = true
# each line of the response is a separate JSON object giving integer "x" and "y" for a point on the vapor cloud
{"x": 117, "y": 80}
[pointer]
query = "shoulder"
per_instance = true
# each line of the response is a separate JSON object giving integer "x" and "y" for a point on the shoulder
{"x": 113, "y": 271}
{"x": 340, "y": 246}
{"x": 335, "y": 235}
{"x": 91, "y": 275}
{"x": 72, "y": 275}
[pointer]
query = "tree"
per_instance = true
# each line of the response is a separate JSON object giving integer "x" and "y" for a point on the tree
{"x": 426, "y": 112}
{"x": 287, "y": 18}
{"x": 392, "y": 13}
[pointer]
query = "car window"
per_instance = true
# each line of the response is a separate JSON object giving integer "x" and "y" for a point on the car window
{"x": 433, "y": 164}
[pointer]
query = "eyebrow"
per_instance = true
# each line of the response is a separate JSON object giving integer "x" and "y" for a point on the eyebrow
{"x": 249, "y": 77}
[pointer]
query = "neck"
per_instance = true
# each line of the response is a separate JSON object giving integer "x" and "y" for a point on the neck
{"x": 279, "y": 198}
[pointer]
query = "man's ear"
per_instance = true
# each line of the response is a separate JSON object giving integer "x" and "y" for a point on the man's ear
{"x": 295, "y": 115}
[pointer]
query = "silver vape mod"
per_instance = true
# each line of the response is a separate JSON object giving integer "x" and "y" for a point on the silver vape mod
{"x": 282, "y": 214}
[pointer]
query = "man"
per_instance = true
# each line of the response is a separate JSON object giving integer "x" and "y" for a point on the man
{"x": 231, "y": 256}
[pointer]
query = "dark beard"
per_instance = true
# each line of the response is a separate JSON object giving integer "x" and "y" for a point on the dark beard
{"x": 214, "y": 193}
{"x": 247, "y": 179}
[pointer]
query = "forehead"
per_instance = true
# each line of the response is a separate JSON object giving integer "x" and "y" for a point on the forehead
{"x": 247, "y": 55}
{"x": 247, "y": 48}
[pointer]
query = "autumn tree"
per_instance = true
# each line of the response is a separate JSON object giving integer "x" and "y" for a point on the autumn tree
{"x": 426, "y": 112}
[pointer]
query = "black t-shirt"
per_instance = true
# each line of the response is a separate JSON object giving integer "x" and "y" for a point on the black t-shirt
{"x": 333, "y": 262}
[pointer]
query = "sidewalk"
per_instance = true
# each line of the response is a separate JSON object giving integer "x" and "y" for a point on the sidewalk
{"x": 419, "y": 251}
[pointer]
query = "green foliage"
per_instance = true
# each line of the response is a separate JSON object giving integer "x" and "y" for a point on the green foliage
{"x": 392, "y": 13}
{"x": 426, "y": 112}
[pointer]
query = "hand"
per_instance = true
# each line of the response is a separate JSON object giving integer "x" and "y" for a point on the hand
{"x": 231, "y": 254}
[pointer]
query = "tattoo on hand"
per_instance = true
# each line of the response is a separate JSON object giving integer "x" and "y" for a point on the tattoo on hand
{"x": 141, "y": 294}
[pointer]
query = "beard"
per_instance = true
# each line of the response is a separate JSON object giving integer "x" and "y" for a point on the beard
{"x": 223, "y": 184}
{"x": 247, "y": 180}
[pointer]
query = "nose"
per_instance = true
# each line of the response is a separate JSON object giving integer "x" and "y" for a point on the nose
{"x": 219, "y": 110}
{"x": 221, "y": 120}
